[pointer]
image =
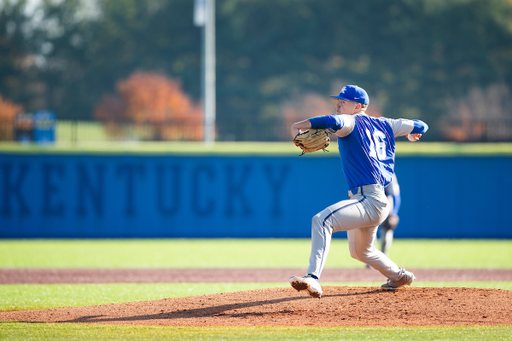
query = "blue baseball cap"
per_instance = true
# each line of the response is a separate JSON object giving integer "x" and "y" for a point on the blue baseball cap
{"x": 353, "y": 93}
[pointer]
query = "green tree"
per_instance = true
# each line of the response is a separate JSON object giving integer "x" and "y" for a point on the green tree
{"x": 410, "y": 55}
{"x": 92, "y": 53}
{"x": 413, "y": 57}
{"x": 18, "y": 71}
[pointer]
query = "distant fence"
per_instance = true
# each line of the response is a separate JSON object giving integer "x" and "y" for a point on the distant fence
{"x": 94, "y": 131}
{"x": 478, "y": 130}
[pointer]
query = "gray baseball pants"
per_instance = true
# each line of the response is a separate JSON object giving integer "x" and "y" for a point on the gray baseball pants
{"x": 360, "y": 216}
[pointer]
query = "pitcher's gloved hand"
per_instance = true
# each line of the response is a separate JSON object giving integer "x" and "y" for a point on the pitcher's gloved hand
{"x": 312, "y": 140}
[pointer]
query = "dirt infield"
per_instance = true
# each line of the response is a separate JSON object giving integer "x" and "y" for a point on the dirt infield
{"x": 39, "y": 276}
{"x": 339, "y": 306}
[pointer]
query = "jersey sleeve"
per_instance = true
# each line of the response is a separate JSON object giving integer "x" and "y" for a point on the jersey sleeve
{"x": 349, "y": 123}
{"x": 326, "y": 122}
{"x": 401, "y": 126}
{"x": 420, "y": 127}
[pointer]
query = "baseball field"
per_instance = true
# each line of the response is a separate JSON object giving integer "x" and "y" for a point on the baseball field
{"x": 237, "y": 289}
{"x": 211, "y": 289}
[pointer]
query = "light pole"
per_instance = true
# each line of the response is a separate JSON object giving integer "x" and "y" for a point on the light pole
{"x": 204, "y": 15}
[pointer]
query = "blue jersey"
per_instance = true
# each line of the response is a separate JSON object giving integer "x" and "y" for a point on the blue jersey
{"x": 368, "y": 152}
{"x": 367, "y": 144}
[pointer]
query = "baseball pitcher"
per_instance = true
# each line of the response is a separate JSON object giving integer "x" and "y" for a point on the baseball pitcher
{"x": 367, "y": 150}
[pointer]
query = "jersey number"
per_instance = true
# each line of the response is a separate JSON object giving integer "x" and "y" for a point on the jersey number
{"x": 377, "y": 148}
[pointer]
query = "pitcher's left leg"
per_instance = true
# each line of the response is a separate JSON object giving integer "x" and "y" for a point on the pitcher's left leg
{"x": 325, "y": 223}
{"x": 361, "y": 244}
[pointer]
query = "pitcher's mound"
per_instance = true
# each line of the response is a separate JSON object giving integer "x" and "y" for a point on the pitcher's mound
{"x": 339, "y": 306}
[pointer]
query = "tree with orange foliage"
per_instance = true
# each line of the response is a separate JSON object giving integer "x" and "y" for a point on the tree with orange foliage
{"x": 152, "y": 99}
{"x": 8, "y": 111}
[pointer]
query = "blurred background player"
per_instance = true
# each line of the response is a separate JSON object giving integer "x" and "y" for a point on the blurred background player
{"x": 387, "y": 228}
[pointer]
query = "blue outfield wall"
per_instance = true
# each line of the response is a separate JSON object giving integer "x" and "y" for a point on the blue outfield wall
{"x": 126, "y": 196}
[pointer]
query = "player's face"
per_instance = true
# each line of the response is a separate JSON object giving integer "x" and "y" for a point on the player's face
{"x": 346, "y": 107}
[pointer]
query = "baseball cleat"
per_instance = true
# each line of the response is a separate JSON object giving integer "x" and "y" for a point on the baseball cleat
{"x": 406, "y": 279}
{"x": 307, "y": 283}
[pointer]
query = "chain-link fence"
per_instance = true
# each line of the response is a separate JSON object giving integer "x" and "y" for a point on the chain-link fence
{"x": 23, "y": 131}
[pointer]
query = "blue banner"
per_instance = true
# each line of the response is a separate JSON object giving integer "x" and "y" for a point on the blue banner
{"x": 124, "y": 196}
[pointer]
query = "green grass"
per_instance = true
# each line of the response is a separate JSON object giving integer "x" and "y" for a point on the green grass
{"x": 84, "y": 130}
{"x": 51, "y": 331}
{"x": 242, "y": 253}
{"x": 447, "y": 149}
{"x": 91, "y": 137}
{"x": 43, "y": 296}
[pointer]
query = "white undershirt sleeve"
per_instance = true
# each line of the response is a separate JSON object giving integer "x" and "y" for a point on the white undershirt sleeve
{"x": 401, "y": 126}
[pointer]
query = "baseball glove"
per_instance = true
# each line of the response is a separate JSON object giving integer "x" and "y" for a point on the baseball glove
{"x": 312, "y": 140}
